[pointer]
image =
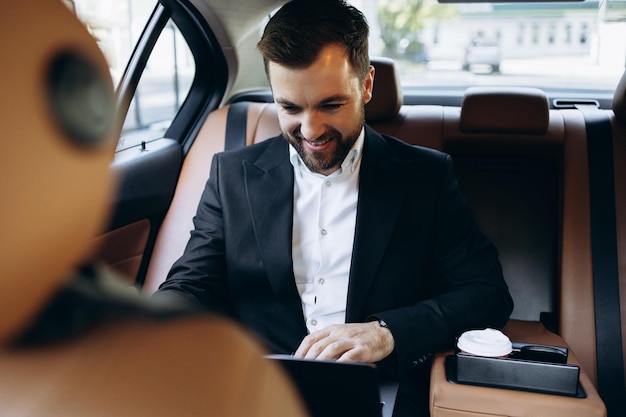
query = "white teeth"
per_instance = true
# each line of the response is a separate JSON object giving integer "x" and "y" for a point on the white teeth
{"x": 319, "y": 142}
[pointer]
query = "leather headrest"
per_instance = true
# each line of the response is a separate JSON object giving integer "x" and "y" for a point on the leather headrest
{"x": 505, "y": 110}
{"x": 59, "y": 133}
{"x": 619, "y": 100}
{"x": 387, "y": 92}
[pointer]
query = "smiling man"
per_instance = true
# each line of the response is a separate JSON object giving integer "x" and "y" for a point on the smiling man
{"x": 333, "y": 241}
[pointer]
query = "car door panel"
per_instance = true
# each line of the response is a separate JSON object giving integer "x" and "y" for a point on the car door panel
{"x": 122, "y": 249}
{"x": 146, "y": 179}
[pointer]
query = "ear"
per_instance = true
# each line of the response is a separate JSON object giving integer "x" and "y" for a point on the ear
{"x": 368, "y": 85}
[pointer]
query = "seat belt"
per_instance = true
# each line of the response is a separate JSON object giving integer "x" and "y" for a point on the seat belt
{"x": 236, "y": 125}
{"x": 611, "y": 386}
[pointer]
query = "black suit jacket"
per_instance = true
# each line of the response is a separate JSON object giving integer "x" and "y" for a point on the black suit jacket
{"x": 419, "y": 262}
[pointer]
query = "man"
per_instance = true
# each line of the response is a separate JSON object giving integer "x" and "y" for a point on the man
{"x": 332, "y": 241}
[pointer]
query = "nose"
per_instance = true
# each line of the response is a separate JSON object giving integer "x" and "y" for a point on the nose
{"x": 312, "y": 125}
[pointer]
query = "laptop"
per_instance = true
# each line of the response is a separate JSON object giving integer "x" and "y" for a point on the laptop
{"x": 340, "y": 389}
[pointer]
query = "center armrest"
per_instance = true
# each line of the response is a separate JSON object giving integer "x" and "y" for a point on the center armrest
{"x": 448, "y": 399}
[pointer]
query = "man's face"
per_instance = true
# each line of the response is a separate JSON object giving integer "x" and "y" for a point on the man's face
{"x": 321, "y": 107}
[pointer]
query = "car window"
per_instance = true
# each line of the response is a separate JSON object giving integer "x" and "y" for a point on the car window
{"x": 558, "y": 45}
{"x": 163, "y": 87}
{"x": 166, "y": 79}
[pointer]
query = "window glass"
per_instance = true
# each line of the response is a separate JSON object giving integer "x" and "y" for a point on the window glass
{"x": 162, "y": 89}
{"x": 116, "y": 25}
{"x": 165, "y": 82}
{"x": 548, "y": 45}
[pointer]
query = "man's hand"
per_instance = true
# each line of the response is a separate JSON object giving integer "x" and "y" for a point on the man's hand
{"x": 363, "y": 342}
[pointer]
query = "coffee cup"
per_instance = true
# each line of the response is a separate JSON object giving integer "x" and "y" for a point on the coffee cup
{"x": 486, "y": 342}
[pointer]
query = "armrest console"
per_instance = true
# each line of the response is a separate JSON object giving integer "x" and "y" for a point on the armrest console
{"x": 449, "y": 399}
{"x": 511, "y": 373}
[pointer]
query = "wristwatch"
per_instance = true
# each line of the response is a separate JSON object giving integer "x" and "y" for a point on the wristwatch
{"x": 382, "y": 323}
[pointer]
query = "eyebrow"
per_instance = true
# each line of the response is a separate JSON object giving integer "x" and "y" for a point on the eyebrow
{"x": 331, "y": 99}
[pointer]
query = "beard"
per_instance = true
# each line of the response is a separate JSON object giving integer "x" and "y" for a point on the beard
{"x": 325, "y": 162}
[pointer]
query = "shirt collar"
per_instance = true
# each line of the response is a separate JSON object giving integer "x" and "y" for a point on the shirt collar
{"x": 350, "y": 163}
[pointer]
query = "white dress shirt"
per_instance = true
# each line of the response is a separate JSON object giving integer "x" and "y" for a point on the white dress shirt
{"x": 324, "y": 219}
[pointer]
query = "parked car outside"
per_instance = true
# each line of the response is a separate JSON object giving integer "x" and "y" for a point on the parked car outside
{"x": 482, "y": 52}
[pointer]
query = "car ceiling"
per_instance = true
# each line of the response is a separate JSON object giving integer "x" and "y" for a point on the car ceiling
{"x": 235, "y": 23}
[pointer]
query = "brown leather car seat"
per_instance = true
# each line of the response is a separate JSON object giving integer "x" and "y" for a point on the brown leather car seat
{"x": 75, "y": 341}
{"x": 516, "y": 161}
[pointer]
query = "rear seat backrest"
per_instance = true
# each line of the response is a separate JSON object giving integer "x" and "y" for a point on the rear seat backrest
{"x": 506, "y": 146}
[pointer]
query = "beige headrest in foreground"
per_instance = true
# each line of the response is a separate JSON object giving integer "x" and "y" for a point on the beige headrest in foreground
{"x": 54, "y": 178}
{"x": 59, "y": 133}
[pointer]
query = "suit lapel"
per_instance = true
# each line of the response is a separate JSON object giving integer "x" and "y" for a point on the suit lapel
{"x": 269, "y": 188}
{"x": 381, "y": 191}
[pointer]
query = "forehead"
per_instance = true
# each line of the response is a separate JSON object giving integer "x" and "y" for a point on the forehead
{"x": 330, "y": 74}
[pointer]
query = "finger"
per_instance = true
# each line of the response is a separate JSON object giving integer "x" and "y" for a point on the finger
{"x": 327, "y": 349}
{"x": 327, "y": 344}
{"x": 308, "y": 342}
{"x": 303, "y": 349}
{"x": 356, "y": 354}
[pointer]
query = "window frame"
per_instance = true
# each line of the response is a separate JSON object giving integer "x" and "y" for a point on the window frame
{"x": 211, "y": 70}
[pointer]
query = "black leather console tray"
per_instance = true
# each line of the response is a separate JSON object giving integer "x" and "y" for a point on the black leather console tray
{"x": 535, "y": 368}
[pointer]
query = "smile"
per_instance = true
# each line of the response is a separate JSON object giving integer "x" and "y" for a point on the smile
{"x": 316, "y": 144}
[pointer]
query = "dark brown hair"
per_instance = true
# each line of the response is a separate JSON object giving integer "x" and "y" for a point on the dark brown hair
{"x": 296, "y": 34}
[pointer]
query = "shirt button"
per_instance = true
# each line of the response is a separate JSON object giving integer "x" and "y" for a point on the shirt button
{"x": 321, "y": 281}
{"x": 324, "y": 232}
{"x": 313, "y": 322}
{"x": 328, "y": 183}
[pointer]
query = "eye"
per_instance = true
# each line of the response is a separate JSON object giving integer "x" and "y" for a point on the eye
{"x": 332, "y": 106}
{"x": 290, "y": 108}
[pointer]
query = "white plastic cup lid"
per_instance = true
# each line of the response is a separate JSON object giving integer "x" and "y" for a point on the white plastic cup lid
{"x": 486, "y": 342}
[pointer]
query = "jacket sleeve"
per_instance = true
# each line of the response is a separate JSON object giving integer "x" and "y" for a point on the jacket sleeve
{"x": 471, "y": 290}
